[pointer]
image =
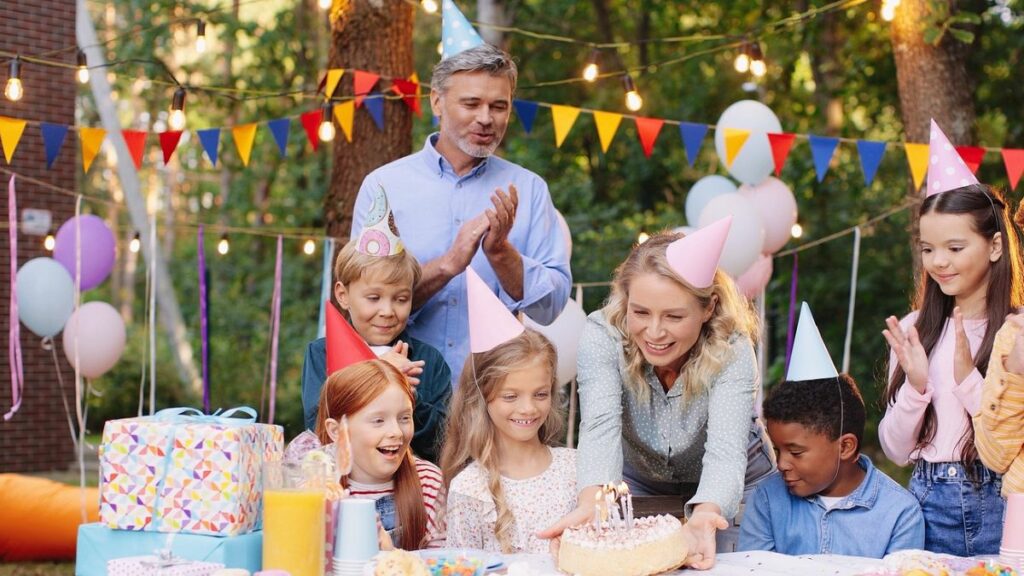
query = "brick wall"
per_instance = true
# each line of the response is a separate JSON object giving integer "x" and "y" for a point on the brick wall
{"x": 36, "y": 438}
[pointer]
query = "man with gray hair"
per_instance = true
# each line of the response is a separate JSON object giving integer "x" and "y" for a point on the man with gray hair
{"x": 457, "y": 205}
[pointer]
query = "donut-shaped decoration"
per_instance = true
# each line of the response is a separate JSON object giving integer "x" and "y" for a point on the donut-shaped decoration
{"x": 374, "y": 243}
{"x": 378, "y": 209}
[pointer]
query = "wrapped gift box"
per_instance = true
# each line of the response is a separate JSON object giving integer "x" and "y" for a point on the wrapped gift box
{"x": 98, "y": 545}
{"x": 182, "y": 471}
{"x": 155, "y": 566}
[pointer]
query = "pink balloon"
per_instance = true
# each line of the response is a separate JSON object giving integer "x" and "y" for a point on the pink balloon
{"x": 751, "y": 282}
{"x": 98, "y": 332}
{"x": 777, "y": 206}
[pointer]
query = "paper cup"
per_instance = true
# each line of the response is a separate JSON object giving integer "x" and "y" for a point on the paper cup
{"x": 356, "y": 538}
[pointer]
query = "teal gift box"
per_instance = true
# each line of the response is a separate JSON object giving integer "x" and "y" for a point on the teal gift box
{"x": 97, "y": 544}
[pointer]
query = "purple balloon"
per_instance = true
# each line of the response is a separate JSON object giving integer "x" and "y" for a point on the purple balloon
{"x": 97, "y": 249}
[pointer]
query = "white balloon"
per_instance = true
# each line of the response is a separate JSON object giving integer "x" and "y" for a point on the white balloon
{"x": 746, "y": 235}
{"x": 754, "y": 160}
{"x": 46, "y": 296}
{"x": 564, "y": 333}
{"x": 777, "y": 207}
{"x": 702, "y": 192}
{"x": 566, "y": 233}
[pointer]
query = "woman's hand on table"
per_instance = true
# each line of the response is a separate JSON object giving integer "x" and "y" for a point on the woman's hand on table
{"x": 583, "y": 513}
{"x": 699, "y": 532}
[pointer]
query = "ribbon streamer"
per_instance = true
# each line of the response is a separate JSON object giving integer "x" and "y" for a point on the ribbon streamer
{"x": 151, "y": 270}
{"x": 14, "y": 332}
{"x": 204, "y": 324}
{"x": 275, "y": 323}
{"x": 853, "y": 299}
{"x": 792, "y": 312}
{"x": 325, "y": 286}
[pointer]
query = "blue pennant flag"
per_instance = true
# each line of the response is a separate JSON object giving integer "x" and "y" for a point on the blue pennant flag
{"x": 210, "y": 139}
{"x": 871, "y": 153}
{"x": 693, "y": 136}
{"x": 374, "y": 104}
{"x": 53, "y": 139}
{"x": 279, "y": 128}
{"x": 527, "y": 112}
{"x": 822, "y": 149}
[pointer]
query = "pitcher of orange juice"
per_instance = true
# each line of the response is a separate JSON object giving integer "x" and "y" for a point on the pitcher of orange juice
{"x": 294, "y": 495}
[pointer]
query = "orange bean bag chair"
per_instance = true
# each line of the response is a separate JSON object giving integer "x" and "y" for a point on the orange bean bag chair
{"x": 39, "y": 518}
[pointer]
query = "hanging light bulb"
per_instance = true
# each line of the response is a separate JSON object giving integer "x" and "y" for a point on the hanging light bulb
{"x": 325, "y": 4}
{"x": 83, "y": 68}
{"x": 591, "y": 70}
{"x": 223, "y": 246}
{"x": 200, "y": 36}
{"x": 440, "y": 48}
{"x": 889, "y": 9}
{"x": 757, "y": 65}
{"x": 326, "y": 130}
{"x": 49, "y": 242}
{"x": 742, "y": 62}
{"x": 796, "y": 231}
{"x": 309, "y": 248}
{"x": 633, "y": 100}
{"x": 643, "y": 237}
{"x": 14, "y": 90}
{"x": 176, "y": 121}
{"x": 429, "y": 6}
{"x": 135, "y": 244}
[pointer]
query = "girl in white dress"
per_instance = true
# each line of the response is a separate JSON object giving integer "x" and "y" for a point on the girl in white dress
{"x": 507, "y": 480}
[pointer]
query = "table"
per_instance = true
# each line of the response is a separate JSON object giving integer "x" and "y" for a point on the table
{"x": 729, "y": 564}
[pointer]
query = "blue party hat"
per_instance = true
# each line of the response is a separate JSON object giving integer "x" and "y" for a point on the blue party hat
{"x": 810, "y": 359}
{"x": 457, "y": 34}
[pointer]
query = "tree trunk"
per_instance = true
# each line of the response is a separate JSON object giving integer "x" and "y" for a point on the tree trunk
{"x": 492, "y": 12}
{"x": 375, "y": 36}
{"x": 933, "y": 80}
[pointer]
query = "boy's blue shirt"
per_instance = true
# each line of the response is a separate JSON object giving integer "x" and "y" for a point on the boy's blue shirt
{"x": 877, "y": 518}
{"x": 432, "y": 394}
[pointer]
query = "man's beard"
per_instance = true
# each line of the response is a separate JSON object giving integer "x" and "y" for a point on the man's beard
{"x": 476, "y": 151}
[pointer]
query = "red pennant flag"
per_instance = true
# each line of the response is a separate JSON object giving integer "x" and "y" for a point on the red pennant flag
{"x": 363, "y": 83}
{"x": 136, "y": 141}
{"x": 311, "y": 122}
{"x": 1014, "y": 160}
{"x": 344, "y": 346}
{"x": 648, "y": 129}
{"x": 408, "y": 89}
{"x": 972, "y": 156}
{"x": 781, "y": 145}
{"x": 168, "y": 143}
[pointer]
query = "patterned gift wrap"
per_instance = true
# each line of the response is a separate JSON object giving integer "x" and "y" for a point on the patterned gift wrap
{"x": 182, "y": 471}
{"x": 152, "y": 566}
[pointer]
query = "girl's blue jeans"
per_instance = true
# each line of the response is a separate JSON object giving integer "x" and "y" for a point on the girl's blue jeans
{"x": 963, "y": 513}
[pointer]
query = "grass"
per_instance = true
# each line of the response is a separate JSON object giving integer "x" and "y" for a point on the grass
{"x": 38, "y": 569}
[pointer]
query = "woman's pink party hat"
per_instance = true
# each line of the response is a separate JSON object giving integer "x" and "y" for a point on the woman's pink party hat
{"x": 695, "y": 256}
{"x": 946, "y": 169}
{"x": 490, "y": 323}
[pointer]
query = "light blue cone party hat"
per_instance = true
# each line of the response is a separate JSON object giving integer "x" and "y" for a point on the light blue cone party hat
{"x": 810, "y": 359}
{"x": 457, "y": 34}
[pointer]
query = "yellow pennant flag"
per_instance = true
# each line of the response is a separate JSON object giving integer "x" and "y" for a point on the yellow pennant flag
{"x": 243, "y": 136}
{"x": 345, "y": 113}
{"x": 91, "y": 139}
{"x": 10, "y": 134}
{"x": 917, "y": 157}
{"x": 607, "y": 125}
{"x": 333, "y": 77}
{"x": 734, "y": 141}
{"x": 564, "y": 117}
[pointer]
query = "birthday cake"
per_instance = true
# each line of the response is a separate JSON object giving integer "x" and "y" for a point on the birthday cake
{"x": 616, "y": 544}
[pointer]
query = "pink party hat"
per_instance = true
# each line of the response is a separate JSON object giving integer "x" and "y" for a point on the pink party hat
{"x": 695, "y": 256}
{"x": 946, "y": 169}
{"x": 490, "y": 323}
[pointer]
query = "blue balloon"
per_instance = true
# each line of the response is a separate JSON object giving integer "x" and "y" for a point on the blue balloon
{"x": 46, "y": 296}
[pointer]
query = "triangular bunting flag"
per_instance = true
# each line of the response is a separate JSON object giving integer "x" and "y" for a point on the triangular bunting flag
{"x": 11, "y": 130}
{"x": 53, "y": 139}
{"x": 136, "y": 141}
{"x": 871, "y": 153}
{"x": 822, "y": 149}
{"x": 781, "y": 145}
{"x": 279, "y": 128}
{"x": 409, "y": 91}
{"x": 564, "y": 117}
{"x": 693, "y": 136}
{"x": 210, "y": 139}
{"x": 526, "y": 110}
{"x": 972, "y": 155}
{"x": 311, "y": 123}
{"x": 607, "y": 124}
{"x": 363, "y": 82}
{"x": 168, "y": 143}
{"x": 917, "y": 157}
{"x": 375, "y": 106}
{"x": 1014, "y": 160}
{"x": 333, "y": 77}
{"x": 91, "y": 139}
{"x": 344, "y": 113}
{"x": 243, "y": 136}
{"x": 734, "y": 141}
{"x": 648, "y": 129}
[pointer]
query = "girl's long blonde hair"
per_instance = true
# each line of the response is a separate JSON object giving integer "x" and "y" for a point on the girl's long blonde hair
{"x": 732, "y": 314}
{"x": 470, "y": 434}
{"x": 348, "y": 391}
